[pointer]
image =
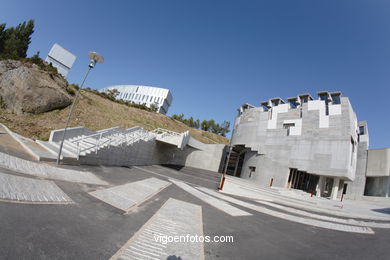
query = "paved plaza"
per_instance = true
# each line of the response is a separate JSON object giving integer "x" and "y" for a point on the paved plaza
{"x": 119, "y": 218}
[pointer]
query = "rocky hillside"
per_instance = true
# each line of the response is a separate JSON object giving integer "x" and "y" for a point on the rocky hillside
{"x": 25, "y": 88}
{"x": 37, "y": 102}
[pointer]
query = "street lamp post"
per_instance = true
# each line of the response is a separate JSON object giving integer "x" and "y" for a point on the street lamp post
{"x": 94, "y": 58}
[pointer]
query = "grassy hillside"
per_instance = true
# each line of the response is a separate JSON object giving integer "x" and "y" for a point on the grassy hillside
{"x": 96, "y": 113}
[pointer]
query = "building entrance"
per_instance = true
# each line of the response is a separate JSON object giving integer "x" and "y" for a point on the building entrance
{"x": 235, "y": 161}
{"x": 301, "y": 180}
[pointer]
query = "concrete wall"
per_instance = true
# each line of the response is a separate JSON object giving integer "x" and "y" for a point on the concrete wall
{"x": 195, "y": 154}
{"x": 355, "y": 189}
{"x": 318, "y": 143}
{"x": 56, "y": 135}
{"x": 207, "y": 156}
{"x": 378, "y": 163}
{"x": 208, "y": 159}
{"x": 377, "y": 186}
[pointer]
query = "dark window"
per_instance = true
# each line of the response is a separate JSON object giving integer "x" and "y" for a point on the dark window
{"x": 361, "y": 130}
{"x": 353, "y": 149}
{"x": 251, "y": 170}
{"x": 336, "y": 99}
{"x": 324, "y": 97}
{"x": 288, "y": 126}
{"x": 293, "y": 103}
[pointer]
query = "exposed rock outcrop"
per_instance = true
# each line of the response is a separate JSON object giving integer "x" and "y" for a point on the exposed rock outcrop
{"x": 24, "y": 88}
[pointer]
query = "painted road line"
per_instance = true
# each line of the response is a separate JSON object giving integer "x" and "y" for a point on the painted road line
{"x": 126, "y": 196}
{"x": 301, "y": 220}
{"x": 22, "y": 189}
{"x": 216, "y": 203}
{"x": 349, "y": 221}
{"x": 185, "y": 219}
{"x": 47, "y": 171}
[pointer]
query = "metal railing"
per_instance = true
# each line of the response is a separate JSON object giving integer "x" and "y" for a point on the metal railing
{"x": 116, "y": 137}
{"x": 108, "y": 138}
{"x": 164, "y": 132}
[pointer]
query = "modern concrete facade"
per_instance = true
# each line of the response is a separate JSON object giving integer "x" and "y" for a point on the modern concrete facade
{"x": 160, "y": 97}
{"x": 61, "y": 58}
{"x": 315, "y": 145}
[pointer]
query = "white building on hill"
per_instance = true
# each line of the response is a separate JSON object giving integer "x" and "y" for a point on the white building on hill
{"x": 160, "y": 97}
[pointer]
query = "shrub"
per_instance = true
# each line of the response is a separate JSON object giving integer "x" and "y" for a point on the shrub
{"x": 70, "y": 91}
{"x": 75, "y": 86}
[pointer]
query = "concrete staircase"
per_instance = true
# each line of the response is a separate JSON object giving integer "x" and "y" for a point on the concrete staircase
{"x": 81, "y": 144}
{"x": 166, "y": 136}
{"x": 85, "y": 144}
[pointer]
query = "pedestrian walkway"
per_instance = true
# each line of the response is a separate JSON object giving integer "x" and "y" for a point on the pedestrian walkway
{"x": 364, "y": 210}
{"x": 292, "y": 218}
{"x": 127, "y": 196}
{"x": 47, "y": 171}
{"x": 216, "y": 203}
{"x": 21, "y": 189}
{"x": 326, "y": 218}
{"x": 174, "y": 218}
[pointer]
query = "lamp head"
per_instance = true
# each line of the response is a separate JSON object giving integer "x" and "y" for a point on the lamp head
{"x": 95, "y": 57}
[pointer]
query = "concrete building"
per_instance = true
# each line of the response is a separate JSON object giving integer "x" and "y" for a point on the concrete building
{"x": 160, "y": 97}
{"x": 61, "y": 59}
{"x": 315, "y": 145}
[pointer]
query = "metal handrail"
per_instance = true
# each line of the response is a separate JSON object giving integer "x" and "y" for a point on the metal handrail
{"x": 165, "y": 132}
{"x": 122, "y": 136}
{"x": 97, "y": 134}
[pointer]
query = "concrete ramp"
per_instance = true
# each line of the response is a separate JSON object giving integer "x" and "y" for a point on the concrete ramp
{"x": 127, "y": 196}
{"x": 47, "y": 171}
{"x": 174, "y": 219}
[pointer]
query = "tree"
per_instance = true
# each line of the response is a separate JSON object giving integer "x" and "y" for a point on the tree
{"x": 14, "y": 41}
{"x": 179, "y": 117}
{"x": 2, "y": 37}
{"x": 154, "y": 107}
{"x": 113, "y": 93}
{"x": 225, "y": 128}
{"x": 205, "y": 126}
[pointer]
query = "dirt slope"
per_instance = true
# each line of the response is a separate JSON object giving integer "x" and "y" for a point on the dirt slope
{"x": 96, "y": 113}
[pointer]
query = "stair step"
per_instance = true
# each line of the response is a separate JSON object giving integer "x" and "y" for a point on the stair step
{"x": 54, "y": 149}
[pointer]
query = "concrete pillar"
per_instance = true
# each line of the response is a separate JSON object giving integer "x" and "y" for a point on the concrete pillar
{"x": 236, "y": 165}
{"x": 335, "y": 188}
{"x": 320, "y": 186}
{"x": 294, "y": 179}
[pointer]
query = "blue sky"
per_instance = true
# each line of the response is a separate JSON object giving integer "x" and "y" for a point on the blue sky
{"x": 216, "y": 55}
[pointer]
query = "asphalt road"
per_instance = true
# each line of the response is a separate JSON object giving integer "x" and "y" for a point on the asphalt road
{"x": 91, "y": 229}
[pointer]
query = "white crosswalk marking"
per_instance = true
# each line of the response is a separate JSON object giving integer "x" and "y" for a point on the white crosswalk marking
{"x": 24, "y": 189}
{"x": 306, "y": 221}
{"x": 219, "y": 204}
{"x": 126, "y": 196}
{"x": 187, "y": 220}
